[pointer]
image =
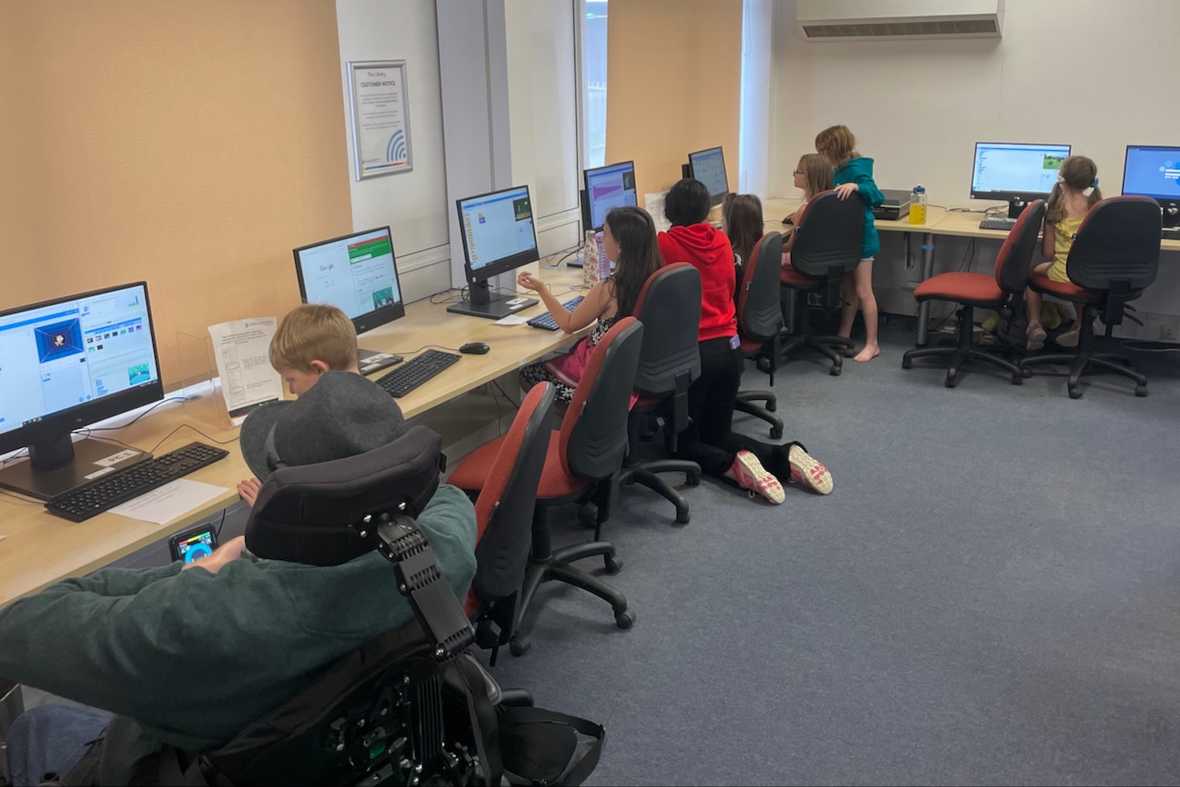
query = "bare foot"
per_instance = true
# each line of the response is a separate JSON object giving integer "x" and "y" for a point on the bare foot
{"x": 867, "y": 354}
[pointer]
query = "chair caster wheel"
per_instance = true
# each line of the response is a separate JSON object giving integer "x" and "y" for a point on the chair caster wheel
{"x": 1075, "y": 392}
{"x": 906, "y": 363}
{"x": 776, "y": 432}
{"x": 771, "y": 405}
{"x": 519, "y": 647}
{"x": 612, "y": 565}
{"x": 1018, "y": 379}
{"x": 624, "y": 620}
{"x": 835, "y": 371}
{"x": 1141, "y": 390}
{"x": 682, "y": 517}
{"x": 951, "y": 380}
{"x": 692, "y": 479}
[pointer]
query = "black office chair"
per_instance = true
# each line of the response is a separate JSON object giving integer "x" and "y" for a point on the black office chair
{"x": 582, "y": 466}
{"x": 669, "y": 306}
{"x": 825, "y": 245}
{"x": 760, "y": 321}
{"x": 504, "y": 518}
{"x": 1114, "y": 257}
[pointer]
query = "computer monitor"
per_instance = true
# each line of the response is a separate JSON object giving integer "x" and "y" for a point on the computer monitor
{"x": 612, "y": 186}
{"x": 498, "y": 236}
{"x": 356, "y": 273}
{"x": 1015, "y": 172}
{"x": 708, "y": 166}
{"x": 64, "y": 364}
{"x": 1154, "y": 171}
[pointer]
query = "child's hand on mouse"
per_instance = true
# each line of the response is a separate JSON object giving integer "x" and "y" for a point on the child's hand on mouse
{"x": 530, "y": 282}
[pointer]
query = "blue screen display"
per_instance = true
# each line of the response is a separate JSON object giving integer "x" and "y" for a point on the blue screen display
{"x": 1152, "y": 172}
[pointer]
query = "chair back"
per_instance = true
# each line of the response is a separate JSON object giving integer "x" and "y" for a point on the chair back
{"x": 669, "y": 306}
{"x": 305, "y": 513}
{"x": 504, "y": 508}
{"x": 1117, "y": 245}
{"x": 593, "y": 439}
{"x": 759, "y": 310}
{"x": 828, "y": 236}
{"x": 1014, "y": 260}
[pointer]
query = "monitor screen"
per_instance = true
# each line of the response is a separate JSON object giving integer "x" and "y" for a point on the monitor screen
{"x": 609, "y": 187}
{"x": 73, "y": 352}
{"x": 1010, "y": 168}
{"x": 355, "y": 273}
{"x": 708, "y": 166}
{"x": 1151, "y": 171}
{"x": 498, "y": 232}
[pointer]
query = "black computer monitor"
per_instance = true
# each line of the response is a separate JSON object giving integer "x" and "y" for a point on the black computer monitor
{"x": 64, "y": 364}
{"x": 498, "y": 236}
{"x": 612, "y": 186}
{"x": 356, "y": 273}
{"x": 708, "y": 166}
{"x": 1015, "y": 171}
{"x": 1154, "y": 171}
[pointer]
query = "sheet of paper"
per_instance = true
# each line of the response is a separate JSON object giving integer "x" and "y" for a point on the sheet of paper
{"x": 512, "y": 319}
{"x": 242, "y": 350}
{"x": 170, "y": 501}
{"x": 654, "y": 204}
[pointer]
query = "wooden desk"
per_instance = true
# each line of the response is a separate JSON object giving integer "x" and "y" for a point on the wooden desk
{"x": 40, "y": 549}
{"x": 939, "y": 222}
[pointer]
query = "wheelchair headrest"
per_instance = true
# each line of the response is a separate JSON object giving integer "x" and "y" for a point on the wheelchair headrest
{"x": 307, "y": 513}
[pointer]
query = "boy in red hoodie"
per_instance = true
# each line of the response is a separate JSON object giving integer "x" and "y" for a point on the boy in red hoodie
{"x": 709, "y": 440}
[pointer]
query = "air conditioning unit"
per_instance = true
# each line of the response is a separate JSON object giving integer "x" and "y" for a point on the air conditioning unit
{"x": 864, "y": 20}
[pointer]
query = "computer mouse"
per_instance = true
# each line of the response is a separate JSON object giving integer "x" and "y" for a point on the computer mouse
{"x": 474, "y": 348}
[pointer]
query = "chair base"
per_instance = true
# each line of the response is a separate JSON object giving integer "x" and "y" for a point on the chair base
{"x": 557, "y": 567}
{"x": 963, "y": 353}
{"x": 647, "y": 474}
{"x": 834, "y": 348}
{"x": 746, "y": 403}
{"x": 1081, "y": 364}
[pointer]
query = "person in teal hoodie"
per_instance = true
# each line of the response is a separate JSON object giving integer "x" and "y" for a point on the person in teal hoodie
{"x": 854, "y": 174}
{"x": 189, "y": 655}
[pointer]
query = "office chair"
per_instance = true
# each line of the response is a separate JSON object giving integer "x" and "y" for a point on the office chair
{"x": 669, "y": 306}
{"x": 760, "y": 321}
{"x": 582, "y": 464}
{"x": 504, "y": 515}
{"x": 1114, "y": 257}
{"x": 1001, "y": 291}
{"x": 825, "y": 245}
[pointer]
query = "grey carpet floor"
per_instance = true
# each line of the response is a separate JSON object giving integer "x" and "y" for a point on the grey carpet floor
{"x": 991, "y": 595}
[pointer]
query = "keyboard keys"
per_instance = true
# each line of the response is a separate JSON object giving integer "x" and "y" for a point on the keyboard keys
{"x": 415, "y": 372}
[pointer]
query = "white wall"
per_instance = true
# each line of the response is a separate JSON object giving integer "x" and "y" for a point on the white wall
{"x": 414, "y": 203}
{"x": 542, "y": 101}
{"x": 1086, "y": 72}
{"x": 1090, "y": 73}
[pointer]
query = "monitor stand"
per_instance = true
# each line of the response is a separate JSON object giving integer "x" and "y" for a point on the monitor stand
{"x": 57, "y": 465}
{"x": 369, "y": 361}
{"x": 482, "y": 303}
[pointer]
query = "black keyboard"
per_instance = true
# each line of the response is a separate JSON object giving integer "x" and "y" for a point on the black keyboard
{"x": 413, "y": 373}
{"x": 997, "y": 223}
{"x": 545, "y": 321}
{"x": 80, "y": 504}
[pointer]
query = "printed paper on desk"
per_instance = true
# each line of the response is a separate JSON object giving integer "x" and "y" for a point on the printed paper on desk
{"x": 242, "y": 349}
{"x": 512, "y": 319}
{"x": 169, "y": 502}
{"x": 654, "y": 204}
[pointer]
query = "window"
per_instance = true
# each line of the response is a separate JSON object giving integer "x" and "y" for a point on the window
{"x": 594, "y": 80}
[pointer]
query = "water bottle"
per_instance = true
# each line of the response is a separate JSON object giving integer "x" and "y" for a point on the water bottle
{"x": 918, "y": 205}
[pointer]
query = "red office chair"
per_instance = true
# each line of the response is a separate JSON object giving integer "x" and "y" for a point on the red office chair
{"x": 504, "y": 516}
{"x": 1114, "y": 257}
{"x": 669, "y": 306}
{"x": 1002, "y": 291}
{"x": 825, "y": 245}
{"x": 760, "y": 321}
{"x": 582, "y": 462}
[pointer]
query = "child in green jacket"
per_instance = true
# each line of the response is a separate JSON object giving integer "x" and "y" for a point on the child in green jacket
{"x": 854, "y": 173}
